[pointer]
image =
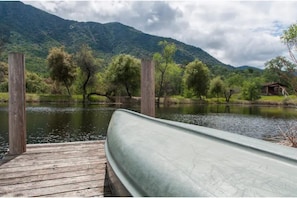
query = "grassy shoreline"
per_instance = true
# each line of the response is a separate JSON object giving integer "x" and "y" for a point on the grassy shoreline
{"x": 174, "y": 100}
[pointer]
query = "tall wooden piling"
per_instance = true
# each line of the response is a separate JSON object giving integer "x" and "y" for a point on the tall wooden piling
{"x": 148, "y": 87}
{"x": 17, "y": 103}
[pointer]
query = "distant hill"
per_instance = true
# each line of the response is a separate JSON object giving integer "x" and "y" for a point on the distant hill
{"x": 244, "y": 67}
{"x": 34, "y": 32}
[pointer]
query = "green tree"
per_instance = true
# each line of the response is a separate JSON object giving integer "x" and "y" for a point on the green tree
{"x": 289, "y": 38}
{"x": 283, "y": 71}
{"x": 88, "y": 65}
{"x": 233, "y": 84}
{"x": 217, "y": 87}
{"x": 251, "y": 90}
{"x": 3, "y": 71}
{"x": 62, "y": 67}
{"x": 3, "y": 77}
{"x": 163, "y": 61}
{"x": 124, "y": 70}
{"x": 173, "y": 82}
{"x": 35, "y": 84}
{"x": 197, "y": 78}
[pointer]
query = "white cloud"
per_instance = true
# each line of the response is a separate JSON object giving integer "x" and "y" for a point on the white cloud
{"x": 235, "y": 32}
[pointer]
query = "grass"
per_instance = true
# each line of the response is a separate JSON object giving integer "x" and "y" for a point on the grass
{"x": 48, "y": 98}
{"x": 235, "y": 99}
{"x": 3, "y": 97}
{"x": 281, "y": 100}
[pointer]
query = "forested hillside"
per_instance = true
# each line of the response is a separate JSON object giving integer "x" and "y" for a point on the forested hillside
{"x": 34, "y": 32}
{"x": 65, "y": 57}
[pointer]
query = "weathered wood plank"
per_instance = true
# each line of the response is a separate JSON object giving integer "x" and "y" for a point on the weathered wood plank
{"x": 48, "y": 150}
{"x": 50, "y": 183}
{"x": 148, "y": 87}
{"x": 54, "y": 175}
{"x": 67, "y": 144}
{"x": 17, "y": 103}
{"x": 71, "y": 169}
{"x": 52, "y": 190}
{"x": 53, "y": 166}
{"x": 67, "y": 147}
{"x": 22, "y": 174}
{"x": 74, "y": 150}
{"x": 93, "y": 192}
{"x": 62, "y": 149}
{"x": 22, "y": 162}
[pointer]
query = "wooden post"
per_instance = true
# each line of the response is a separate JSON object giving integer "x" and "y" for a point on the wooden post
{"x": 148, "y": 87}
{"x": 17, "y": 104}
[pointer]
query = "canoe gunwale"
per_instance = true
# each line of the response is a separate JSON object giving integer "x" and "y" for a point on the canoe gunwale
{"x": 271, "y": 149}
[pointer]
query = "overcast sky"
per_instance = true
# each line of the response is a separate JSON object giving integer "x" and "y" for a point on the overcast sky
{"x": 235, "y": 32}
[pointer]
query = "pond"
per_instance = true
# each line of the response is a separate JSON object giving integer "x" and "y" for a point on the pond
{"x": 66, "y": 123}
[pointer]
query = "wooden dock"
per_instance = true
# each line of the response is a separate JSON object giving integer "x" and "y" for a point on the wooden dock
{"x": 59, "y": 169}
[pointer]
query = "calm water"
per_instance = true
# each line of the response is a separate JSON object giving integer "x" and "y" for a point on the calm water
{"x": 62, "y": 123}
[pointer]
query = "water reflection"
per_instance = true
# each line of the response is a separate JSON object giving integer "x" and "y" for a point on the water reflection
{"x": 61, "y": 123}
{"x": 253, "y": 121}
{"x": 67, "y": 124}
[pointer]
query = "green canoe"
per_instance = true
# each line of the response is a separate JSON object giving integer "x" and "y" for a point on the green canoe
{"x": 154, "y": 157}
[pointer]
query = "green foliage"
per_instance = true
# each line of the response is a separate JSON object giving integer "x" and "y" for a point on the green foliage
{"x": 4, "y": 97}
{"x": 217, "y": 86}
{"x": 88, "y": 66}
{"x": 251, "y": 90}
{"x": 235, "y": 80}
{"x": 164, "y": 63}
{"x": 35, "y": 84}
{"x": 168, "y": 51}
{"x": 197, "y": 78}
{"x": 289, "y": 38}
{"x": 62, "y": 67}
{"x": 281, "y": 70}
{"x": 4, "y": 36}
{"x": 218, "y": 70}
{"x": 3, "y": 77}
{"x": 124, "y": 70}
{"x": 4, "y": 86}
{"x": 174, "y": 80}
{"x": 3, "y": 71}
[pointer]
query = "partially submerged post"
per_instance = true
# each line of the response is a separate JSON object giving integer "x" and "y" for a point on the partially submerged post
{"x": 17, "y": 104}
{"x": 147, "y": 87}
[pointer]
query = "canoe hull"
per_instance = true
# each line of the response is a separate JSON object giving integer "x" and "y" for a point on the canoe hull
{"x": 115, "y": 184}
{"x": 155, "y": 157}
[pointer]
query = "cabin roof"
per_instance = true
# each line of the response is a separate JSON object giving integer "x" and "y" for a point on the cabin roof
{"x": 273, "y": 84}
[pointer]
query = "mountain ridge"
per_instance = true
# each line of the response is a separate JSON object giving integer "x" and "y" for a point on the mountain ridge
{"x": 34, "y": 32}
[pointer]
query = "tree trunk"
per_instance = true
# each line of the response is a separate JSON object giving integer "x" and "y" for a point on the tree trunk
{"x": 160, "y": 88}
{"x": 128, "y": 92}
{"x": 67, "y": 87}
{"x": 85, "y": 86}
{"x": 228, "y": 95}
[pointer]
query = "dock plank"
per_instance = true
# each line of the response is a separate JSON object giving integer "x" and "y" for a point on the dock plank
{"x": 22, "y": 173}
{"x": 50, "y": 175}
{"x": 55, "y": 190}
{"x": 60, "y": 169}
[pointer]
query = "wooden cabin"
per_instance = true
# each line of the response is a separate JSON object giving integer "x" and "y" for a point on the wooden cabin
{"x": 274, "y": 88}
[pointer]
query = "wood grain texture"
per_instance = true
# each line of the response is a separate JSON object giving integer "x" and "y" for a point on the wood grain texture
{"x": 63, "y": 169}
{"x": 17, "y": 103}
{"x": 148, "y": 87}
